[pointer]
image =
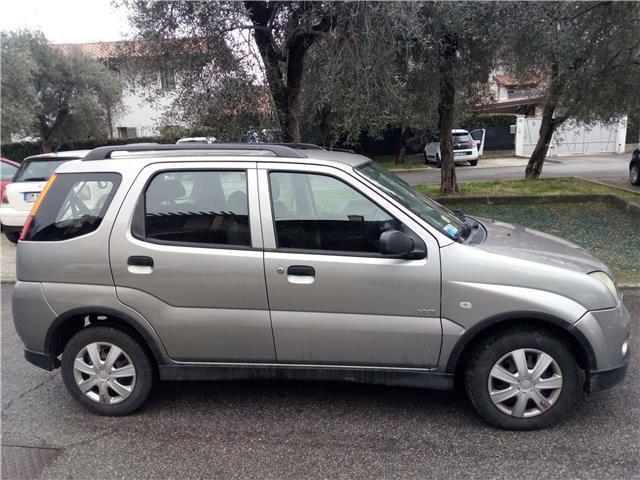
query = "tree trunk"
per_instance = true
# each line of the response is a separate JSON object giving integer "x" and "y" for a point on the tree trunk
{"x": 547, "y": 127}
{"x": 46, "y": 145}
{"x": 448, "y": 181}
{"x": 401, "y": 152}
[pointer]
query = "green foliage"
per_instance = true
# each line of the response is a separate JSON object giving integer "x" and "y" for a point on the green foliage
{"x": 18, "y": 151}
{"x": 52, "y": 95}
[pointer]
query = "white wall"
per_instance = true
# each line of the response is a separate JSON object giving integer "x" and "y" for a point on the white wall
{"x": 572, "y": 138}
{"x": 139, "y": 113}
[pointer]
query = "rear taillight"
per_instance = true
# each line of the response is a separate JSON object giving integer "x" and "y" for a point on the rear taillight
{"x": 4, "y": 195}
{"x": 34, "y": 209}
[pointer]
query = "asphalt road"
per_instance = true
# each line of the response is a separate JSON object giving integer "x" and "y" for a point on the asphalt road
{"x": 595, "y": 167}
{"x": 310, "y": 430}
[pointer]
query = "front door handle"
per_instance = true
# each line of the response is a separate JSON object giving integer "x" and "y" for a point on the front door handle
{"x": 301, "y": 270}
{"x": 140, "y": 264}
{"x": 301, "y": 274}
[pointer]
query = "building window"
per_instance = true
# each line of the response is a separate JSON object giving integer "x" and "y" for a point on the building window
{"x": 127, "y": 132}
{"x": 168, "y": 80}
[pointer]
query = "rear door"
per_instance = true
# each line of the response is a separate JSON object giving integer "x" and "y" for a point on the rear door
{"x": 334, "y": 298}
{"x": 478, "y": 138}
{"x": 186, "y": 252}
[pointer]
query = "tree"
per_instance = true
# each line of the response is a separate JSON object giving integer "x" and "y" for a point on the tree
{"x": 456, "y": 45}
{"x": 50, "y": 94}
{"x": 282, "y": 33}
{"x": 587, "y": 56}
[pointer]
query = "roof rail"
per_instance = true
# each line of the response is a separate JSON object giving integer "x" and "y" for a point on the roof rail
{"x": 103, "y": 153}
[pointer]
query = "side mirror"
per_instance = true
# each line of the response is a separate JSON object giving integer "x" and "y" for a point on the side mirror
{"x": 396, "y": 244}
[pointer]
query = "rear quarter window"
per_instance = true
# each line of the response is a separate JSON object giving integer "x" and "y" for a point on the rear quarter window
{"x": 74, "y": 205}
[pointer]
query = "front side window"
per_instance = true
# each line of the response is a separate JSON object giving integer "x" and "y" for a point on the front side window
{"x": 74, "y": 205}
{"x": 429, "y": 210}
{"x": 198, "y": 207}
{"x": 319, "y": 212}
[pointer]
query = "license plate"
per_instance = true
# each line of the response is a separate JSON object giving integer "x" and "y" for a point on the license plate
{"x": 31, "y": 196}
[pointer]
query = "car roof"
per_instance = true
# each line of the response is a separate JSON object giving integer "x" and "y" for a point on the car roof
{"x": 238, "y": 152}
{"x": 71, "y": 154}
{"x": 459, "y": 130}
{"x": 9, "y": 161}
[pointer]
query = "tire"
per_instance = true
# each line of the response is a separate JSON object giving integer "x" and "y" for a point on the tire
{"x": 12, "y": 236}
{"x": 549, "y": 407}
{"x": 133, "y": 354}
{"x": 634, "y": 174}
{"x": 438, "y": 162}
{"x": 426, "y": 159}
{"x": 473, "y": 163}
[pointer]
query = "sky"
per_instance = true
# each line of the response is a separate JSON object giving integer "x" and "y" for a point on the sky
{"x": 67, "y": 21}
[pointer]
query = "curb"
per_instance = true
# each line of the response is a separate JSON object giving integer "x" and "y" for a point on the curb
{"x": 604, "y": 184}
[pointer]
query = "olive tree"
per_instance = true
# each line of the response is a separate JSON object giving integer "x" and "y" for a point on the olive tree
{"x": 54, "y": 95}
{"x": 587, "y": 56}
{"x": 251, "y": 42}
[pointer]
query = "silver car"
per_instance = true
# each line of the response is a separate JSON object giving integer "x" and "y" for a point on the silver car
{"x": 254, "y": 261}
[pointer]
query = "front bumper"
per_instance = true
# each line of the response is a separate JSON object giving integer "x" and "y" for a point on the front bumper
{"x": 603, "y": 379}
{"x": 607, "y": 333}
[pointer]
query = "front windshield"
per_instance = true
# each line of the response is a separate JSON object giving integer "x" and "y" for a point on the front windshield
{"x": 427, "y": 209}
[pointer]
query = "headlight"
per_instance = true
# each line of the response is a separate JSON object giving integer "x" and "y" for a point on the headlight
{"x": 606, "y": 281}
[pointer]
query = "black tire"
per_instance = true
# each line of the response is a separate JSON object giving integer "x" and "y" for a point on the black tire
{"x": 473, "y": 163}
{"x": 492, "y": 349}
{"x": 144, "y": 368}
{"x": 634, "y": 174}
{"x": 426, "y": 159}
{"x": 438, "y": 162}
{"x": 12, "y": 236}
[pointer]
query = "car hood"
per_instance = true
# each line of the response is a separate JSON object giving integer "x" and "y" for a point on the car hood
{"x": 527, "y": 244}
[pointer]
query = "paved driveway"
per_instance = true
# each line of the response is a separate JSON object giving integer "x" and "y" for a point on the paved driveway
{"x": 310, "y": 430}
{"x": 594, "y": 167}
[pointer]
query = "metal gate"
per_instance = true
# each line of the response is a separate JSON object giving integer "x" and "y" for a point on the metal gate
{"x": 572, "y": 138}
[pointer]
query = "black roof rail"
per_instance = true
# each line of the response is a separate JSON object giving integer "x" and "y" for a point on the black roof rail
{"x": 103, "y": 153}
{"x": 298, "y": 146}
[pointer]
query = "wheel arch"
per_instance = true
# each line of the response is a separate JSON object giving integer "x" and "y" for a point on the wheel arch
{"x": 72, "y": 321}
{"x": 580, "y": 346}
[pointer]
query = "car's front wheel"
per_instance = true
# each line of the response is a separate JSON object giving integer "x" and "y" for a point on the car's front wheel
{"x": 107, "y": 371}
{"x": 634, "y": 174}
{"x": 522, "y": 379}
{"x": 438, "y": 161}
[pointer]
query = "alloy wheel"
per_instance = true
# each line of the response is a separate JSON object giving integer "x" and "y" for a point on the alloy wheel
{"x": 104, "y": 373}
{"x": 525, "y": 383}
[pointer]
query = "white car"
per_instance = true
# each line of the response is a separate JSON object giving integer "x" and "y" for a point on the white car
{"x": 28, "y": 182}
{"x": 197, "y": 140}
{"x": 467, "y": 147}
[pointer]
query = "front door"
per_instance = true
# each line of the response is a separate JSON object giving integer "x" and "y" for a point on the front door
{"x": 186, "y": 252}
{"x": 334, "y": 298}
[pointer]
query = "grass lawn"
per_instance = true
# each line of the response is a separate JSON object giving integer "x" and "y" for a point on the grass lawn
{"x": 609, "y": 233}
{"x": 554, "y": 186}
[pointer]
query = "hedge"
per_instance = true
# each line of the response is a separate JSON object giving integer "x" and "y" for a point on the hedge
{"x": 20, "y": 150}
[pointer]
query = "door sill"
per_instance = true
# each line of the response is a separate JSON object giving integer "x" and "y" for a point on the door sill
{"x": 408, "y": 377}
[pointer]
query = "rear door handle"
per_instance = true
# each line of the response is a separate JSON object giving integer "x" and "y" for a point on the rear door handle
{"x": 140, "y": 264}
{"x": 301, "y": 274}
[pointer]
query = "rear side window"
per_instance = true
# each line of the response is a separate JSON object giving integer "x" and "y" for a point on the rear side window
{"x": 74, "y": 205}
{"x": 38, "y": 170}
{"x": 199, "y": 208}
{"x": 7, "y": 170}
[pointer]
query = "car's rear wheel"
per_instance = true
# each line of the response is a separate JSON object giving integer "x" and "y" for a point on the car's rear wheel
{"x": 634, "y": 174}
{"x": 522, "y": 379}
{"x": 426, "y": 158}
{"x": 438, "y": 162}
{"x": 12, "y": 236}
{"x": 473, "y": 163}
{"x": 107, "y": 371}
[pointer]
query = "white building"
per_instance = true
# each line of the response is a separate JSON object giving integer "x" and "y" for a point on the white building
{"x": 138, "y": 117}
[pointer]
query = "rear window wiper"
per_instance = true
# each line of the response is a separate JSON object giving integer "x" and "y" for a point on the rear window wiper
{"x": 32, "y": 179}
